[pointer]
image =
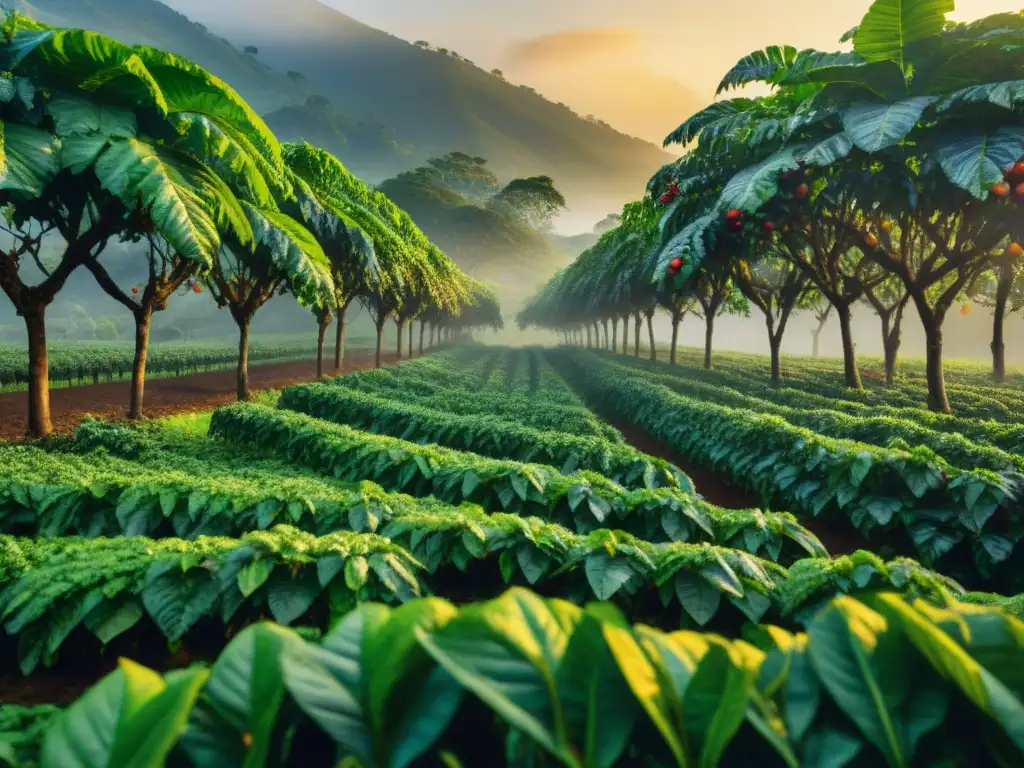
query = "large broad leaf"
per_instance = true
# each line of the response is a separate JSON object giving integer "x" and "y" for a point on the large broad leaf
{"x": 831, "y": 150}
{"x": 372, "y": 687}
{"x": 184, "y": 199}
{"x": 599, "y": 710}
{"x": 77, "y": 116}
{"x": 1006, "y": 94}
{"x": 130, "y": 719}
{"x": 606, "y": 574}
{"x": 860, "y": 664}
{"x": 759, "y": 66}
{"x": 687, "y": 245}
{"x": 140, "y": 76}
{"x": 338, "y": 232}
{"x": 234, "y": 159}
{"x": 28, "y": 159}
{"x": 718, "y": 112}
{"x": 235, "y": 720}
{"x": 506, "y": 652}
{"x": 189, "y": 89}
{"x": 700, "y": 598}
{"x": 874, "y": 127}
{"x": 715, "y": 702}
{"x": 410, "y": 699}
{"x": 657, "y": 671}
{"x": 327, "y": 683}
{"x": 295, "y": 254}
{"x": 953, "y": 661}
{"x": 752, "y": 187}
{"x": 850, "y": 79}
{"x": 891, "y": 29}
{"x": 975, "y": 161}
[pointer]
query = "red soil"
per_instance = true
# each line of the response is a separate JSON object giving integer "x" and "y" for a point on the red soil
{"x": 163, "y": 397}
{"x": 717, "y": 490}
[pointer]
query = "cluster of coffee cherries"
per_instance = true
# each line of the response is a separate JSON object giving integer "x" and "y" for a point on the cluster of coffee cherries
{"x": 736, "y": 220}
{"x": 669, "y": 197}
{"x": 1012, "y": 183}
{"x": 795, "y": 181}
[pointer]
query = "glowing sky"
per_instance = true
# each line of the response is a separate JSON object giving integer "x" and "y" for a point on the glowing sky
{"x": 642, "y": 66}
{"x": 628, "y": 62}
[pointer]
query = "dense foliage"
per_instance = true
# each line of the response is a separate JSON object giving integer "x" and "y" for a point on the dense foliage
{"x": 184, "y": 533}
{"x": 171, "y": 161}
{"x": 889, "y": 174}
{"x": 872, "y": 682}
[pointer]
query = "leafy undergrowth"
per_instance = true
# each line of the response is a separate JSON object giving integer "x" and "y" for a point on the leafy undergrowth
{"x": 520, "y": 680}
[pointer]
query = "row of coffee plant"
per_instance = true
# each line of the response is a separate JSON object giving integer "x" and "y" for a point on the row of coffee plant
{"x": 965, "y": 521}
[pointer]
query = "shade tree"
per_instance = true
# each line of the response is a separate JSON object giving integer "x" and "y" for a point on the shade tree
{"x": 533, "y": 201}
{"x": 918, "y": 123}
{"x": 91, "y": 130}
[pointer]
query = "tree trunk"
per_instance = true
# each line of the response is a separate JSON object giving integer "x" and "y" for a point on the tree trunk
{"x": 709, "y": 333}
{"x": 423, "y": 330}
{"x": 937, "y": 400}
{"x": 816, "y": 339}
{"x": 625, "y": 334}
{"x": 39, "y": 423}
{"x": 650, "y": 335}
{"x": 636, "y": 334}
{"x": 775, "y": 343}
{"x": 243, "y": 359}
{"x": 339, "y": 340}
{"x": 615, "y": 334}
{"x": 891, "y": 330}
{"x": 433, "y": 331}
{"x": 590, "y": 341}
{"x": 380, "y": 343}
{"x": 676, "y": 320}
{"x": 322, "y": 322}
{"x": 850, "y": 371}
{"x": 1003, "y": 288}
{"x": 142, "y": 322}
{"x": 399, "y": 327}
{"x": 411, "y": 323}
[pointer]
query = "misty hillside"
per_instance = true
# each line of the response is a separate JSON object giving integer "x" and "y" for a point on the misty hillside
{"x": 436, "y": 102}
{"x": 370, "y": 150}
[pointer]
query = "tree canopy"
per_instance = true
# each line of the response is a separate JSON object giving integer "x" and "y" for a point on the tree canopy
{"x": 897, "y": 163}
{"x": 533, "y": 201}
{"x": 105, "y": 142}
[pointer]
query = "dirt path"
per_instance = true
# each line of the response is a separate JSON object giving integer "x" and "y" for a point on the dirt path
{"x": 165, "y": 396}
{"x": 710, "y": 484}
{"x": 716, "y": 489}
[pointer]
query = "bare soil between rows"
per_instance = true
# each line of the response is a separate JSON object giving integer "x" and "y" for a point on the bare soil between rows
{"x": 165, "y": 396}
{"x": 718, "y": 490}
